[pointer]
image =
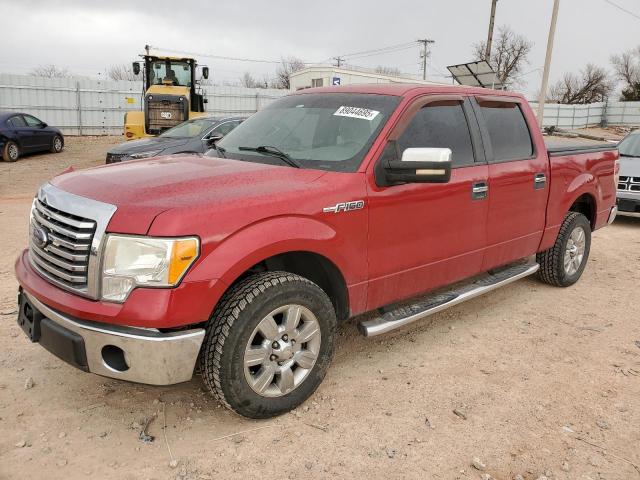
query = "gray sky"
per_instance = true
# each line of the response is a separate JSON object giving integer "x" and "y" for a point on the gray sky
{"x": 87, "y": 36}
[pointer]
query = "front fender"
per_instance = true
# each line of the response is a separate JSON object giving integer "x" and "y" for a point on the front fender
{"x": 238, "y": 252}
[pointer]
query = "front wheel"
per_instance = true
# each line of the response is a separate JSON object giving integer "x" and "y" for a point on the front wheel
{"x": 563, "y": 264}
{"x": 268, "y": 344}
{"x": 57, "y": 144}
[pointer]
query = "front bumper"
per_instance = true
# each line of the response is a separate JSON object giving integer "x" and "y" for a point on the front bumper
{"x": 628, "y": 202}
{"x": 125, "y": 353}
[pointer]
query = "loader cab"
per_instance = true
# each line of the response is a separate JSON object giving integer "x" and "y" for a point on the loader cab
{"x": 172, "y": 95}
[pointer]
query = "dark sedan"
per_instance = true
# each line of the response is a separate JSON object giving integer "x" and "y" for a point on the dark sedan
{"x": 193, "y": 136}
{"x": 21, "y": 133}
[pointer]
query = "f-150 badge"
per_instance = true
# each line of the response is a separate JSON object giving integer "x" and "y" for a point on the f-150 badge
{"x": 344, "y": 207}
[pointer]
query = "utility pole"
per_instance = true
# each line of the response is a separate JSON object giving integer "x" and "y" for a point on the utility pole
{"x": 424, "y": 54}
{"x": 491, "y": 23}
{"x": 338, "y": 61}
{"x": 547, "y": 62}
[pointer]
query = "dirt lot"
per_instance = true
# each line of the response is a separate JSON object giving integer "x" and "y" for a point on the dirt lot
{"x": 545, "y": 381}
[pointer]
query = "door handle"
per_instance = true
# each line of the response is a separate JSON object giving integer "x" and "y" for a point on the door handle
{"x": 479, "y": 190}
{"x": 539, "y": 181}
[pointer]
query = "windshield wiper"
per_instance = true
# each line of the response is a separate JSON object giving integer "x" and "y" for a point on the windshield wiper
{"x": 274, "y": 152}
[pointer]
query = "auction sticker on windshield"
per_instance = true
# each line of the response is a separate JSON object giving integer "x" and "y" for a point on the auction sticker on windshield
{"x": 357, "y": 112}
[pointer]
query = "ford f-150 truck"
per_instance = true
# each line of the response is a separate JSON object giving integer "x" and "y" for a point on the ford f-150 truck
{"x": 396, "y": 200}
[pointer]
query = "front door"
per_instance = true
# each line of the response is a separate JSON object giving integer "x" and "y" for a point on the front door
{"x": 43, "y": 138}
{"x": 422, "y": 236}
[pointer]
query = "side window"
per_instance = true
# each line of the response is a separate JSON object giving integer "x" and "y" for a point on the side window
{"x": 225, "y": 127}
{"x": 508, "y": 131}
{"x": 32, "y": 121}
{"x": 440, "y": 125}
{"x": 16, "y": 122}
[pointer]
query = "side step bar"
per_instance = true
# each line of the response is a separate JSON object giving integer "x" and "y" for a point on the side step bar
{"x": 404, "y": 315}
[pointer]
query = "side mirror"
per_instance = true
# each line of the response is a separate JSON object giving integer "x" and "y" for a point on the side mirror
{"x": 213, "y": 138}
{"x": 136, "y": 68}
{"x": 43, "y": 125}
{"x": 418, "y": 165}
{"x": 205, "y": 72}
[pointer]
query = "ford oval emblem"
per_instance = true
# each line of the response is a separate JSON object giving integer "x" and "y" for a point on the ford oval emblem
{"x": 40, "y": 237}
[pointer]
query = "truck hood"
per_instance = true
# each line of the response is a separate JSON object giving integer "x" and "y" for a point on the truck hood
{"x": 142, "y": 189}
{"x": 148, "y": 145}
{"x": 629, "y": 166}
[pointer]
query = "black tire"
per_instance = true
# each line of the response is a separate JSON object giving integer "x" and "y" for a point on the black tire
{"x": 233, "y": 323}
{"x": 57, "y": 144}
{"x": 11, "y": 151}
{"x": 552, "y": 267}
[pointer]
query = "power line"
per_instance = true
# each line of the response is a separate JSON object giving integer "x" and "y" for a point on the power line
{"x": 375, "y": 50}
{"x": 375, "y": 54}
{"x": 623, "y": 9}
{"x": 221, "y": 57}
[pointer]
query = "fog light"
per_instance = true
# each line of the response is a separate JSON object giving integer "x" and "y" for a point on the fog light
{"x": 114, "y": 358}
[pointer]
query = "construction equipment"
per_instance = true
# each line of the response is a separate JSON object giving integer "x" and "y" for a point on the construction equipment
{"x": 171, "y": 93}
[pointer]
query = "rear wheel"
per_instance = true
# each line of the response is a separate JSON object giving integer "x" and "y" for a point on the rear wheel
{"x": 268, "y": 344}
{"x": 57, "y": 144}
{"x": 10, "y": 152}
{"x": 563, "y": 264}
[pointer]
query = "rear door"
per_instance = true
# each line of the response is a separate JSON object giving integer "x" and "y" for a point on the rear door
{"x": 421, "y": 235}
{"x": 26, "y": 137}
{"x": 518, "y": 180}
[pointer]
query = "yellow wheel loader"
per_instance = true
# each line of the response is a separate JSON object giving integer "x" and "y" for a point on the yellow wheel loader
{"x": 171, "y": 95}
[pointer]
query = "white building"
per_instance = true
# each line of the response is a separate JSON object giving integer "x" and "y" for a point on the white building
{"x": 324, "y": 76}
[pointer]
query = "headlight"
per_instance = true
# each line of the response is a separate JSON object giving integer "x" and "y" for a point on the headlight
{"x": 136, "y": 156}
{"x": 131, "y": 262}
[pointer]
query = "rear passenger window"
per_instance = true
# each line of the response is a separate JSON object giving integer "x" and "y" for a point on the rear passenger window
{"x": 440, "y": 125}
{"x": 16, "y": 122}
{"x": 508, "y": 131}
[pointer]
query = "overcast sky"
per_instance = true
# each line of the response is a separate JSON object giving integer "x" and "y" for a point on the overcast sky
{"x": 86, "y": 36}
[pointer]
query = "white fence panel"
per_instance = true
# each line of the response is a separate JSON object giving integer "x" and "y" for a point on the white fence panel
{"x": 97, "y": 107}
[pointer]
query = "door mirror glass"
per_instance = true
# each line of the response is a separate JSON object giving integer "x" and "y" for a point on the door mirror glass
{"x": 205, "y": 72}
{"x": 136, "y": 68}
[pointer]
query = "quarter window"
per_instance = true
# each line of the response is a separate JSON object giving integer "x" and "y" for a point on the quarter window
{"x": 440, "y": 125}
{"x": 508, "y": 131}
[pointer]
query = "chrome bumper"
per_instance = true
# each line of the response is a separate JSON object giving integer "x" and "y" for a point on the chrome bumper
{"x": 150, "y": 356}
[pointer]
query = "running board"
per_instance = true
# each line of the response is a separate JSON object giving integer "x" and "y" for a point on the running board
{"x": 404, "y": 315}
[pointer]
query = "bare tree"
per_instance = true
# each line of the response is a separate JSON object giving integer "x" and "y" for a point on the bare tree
{"x": 627, "y": 68}
{"x": 391, "y": 71}
{"x": 50, "y": 71}
{"x": 592, "y": 84}
{"x": 122, "y": 72}
{"x": 285, "y": 69}
{"x": 509, "y": 55}
{"x": 247, "y": 80}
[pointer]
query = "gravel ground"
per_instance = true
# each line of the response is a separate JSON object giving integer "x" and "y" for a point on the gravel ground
{"x": 529, "y": 380}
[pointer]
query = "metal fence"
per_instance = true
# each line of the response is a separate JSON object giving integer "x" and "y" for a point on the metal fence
{"x": 97, "y": 107}
{"x": 590, "y": 115}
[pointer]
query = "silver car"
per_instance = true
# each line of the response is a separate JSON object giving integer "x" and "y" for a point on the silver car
{"x": 629, "y": 183}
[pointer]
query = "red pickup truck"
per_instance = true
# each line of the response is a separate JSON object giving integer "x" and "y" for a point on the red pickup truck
{"x": 397, "y": 200}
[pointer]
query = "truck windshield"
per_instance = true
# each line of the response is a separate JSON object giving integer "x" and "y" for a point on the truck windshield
{"x": 630, "y": 145}
{"x": 327, "y": 131}
{"x": 179, "y": 73}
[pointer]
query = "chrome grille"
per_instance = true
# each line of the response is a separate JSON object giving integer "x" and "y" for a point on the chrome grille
{"x": 61, "y": 251}
{"x": 627, "y": 183}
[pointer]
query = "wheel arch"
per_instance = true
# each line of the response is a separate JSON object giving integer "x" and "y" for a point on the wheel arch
{"x": 586, "y": 205}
